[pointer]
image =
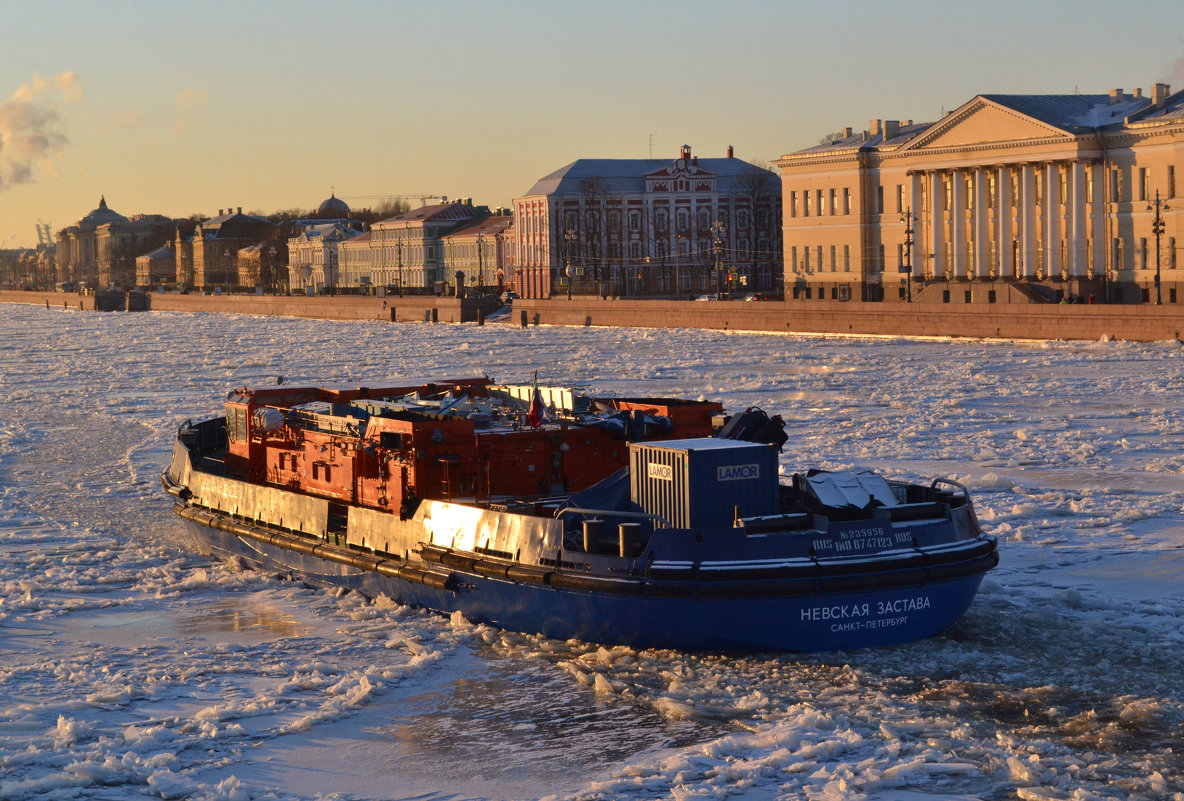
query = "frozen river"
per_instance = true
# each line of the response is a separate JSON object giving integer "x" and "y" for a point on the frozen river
{"x": 130, "y": 667}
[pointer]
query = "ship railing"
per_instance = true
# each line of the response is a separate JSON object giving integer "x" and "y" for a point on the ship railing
{"x": 614, "y": 513}
{"x": 952, "y": 483}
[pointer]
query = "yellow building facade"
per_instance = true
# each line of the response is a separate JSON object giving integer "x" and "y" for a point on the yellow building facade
{"x": 1009, "y": 198}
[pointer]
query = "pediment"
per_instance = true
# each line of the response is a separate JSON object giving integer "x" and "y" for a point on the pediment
{"x": 982, "y": 122}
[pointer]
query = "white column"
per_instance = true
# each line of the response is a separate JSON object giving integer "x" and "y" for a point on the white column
{"x": 958, "y": 223}
{"x": 915, "y": 208}
{"x": 1003, "y": 211}
{"x": 1078, "y": 258}
{"x": 982, "y": 253}
{"x": 1098, "y": 215}
{"x": 937, "y": 221}
{"x": 1053, "y": 219}
{"x": 1027, "y": 222}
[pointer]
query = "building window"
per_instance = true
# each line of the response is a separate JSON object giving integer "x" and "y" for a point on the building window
{"x": 1116, "y": 185}
{"x": 682, "y": 219}
{"x": 635, "y": 250}
{"x": 899, "y": 198}
{"x": 834, "y": 266}
{"x": 793, "y": 257}
{"x": 805, "y": 258}
{"x": 820, "y": 258}
{"x": 833, "y": 203}
{"x": 1143, "y": 253}
{"x": 1144, "y": 179}
{"x": 793, "y": 204}
{"x": 818, "y": 205}
{"x": 1171, "y": 180}
{"x": 1117, "y": 254}
{"x": 846, "y": 258}
{"x": 880, "y": 199}
{"x": 634, "y": 221}
{"x": 805, "y": 203}
{"x": 1171, "y": 253}
{"x": 846, "y": 200}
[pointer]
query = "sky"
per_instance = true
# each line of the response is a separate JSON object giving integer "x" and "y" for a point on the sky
{"x": 178, "y": 108}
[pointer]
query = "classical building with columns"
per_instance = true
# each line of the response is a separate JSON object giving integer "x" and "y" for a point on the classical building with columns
{"x": 1008, "y": 199}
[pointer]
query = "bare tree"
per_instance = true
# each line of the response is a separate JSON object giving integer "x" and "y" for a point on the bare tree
{"x": 384, "y": 209}
{"x": 593, "y": 222}
{"x": 831, "y": 138}
{"x": 759, "y": 188}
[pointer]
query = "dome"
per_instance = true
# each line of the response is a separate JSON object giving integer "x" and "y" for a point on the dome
{"x": 333, "y": 208}
{"x": 101, "y": 216}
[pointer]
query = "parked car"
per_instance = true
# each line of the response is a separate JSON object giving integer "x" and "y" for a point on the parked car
{"x": 510, "y": 296}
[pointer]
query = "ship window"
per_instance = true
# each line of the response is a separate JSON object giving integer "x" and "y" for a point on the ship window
{"x": 390, "y": 439}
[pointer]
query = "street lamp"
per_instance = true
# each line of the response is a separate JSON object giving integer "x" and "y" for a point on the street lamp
{"x": 907, "y": 267}
{"x": 399, "y": 250}
{"x": 408, "y": 230}
{"x": 1157, "y": 228}
{"x": 480, "y": 264}
{"x": 676, "y": 273}
{"x": 568, "y": 237}
{"x": 717, "y": 231}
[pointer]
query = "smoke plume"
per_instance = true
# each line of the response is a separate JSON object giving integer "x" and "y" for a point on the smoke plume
{"x": 30, "y": 126}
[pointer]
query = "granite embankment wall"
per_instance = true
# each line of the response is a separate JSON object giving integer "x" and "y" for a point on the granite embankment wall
{"x": 420, "y": 308}
{"x": 1006, "y": 320}
{"x": 1014, "y": 321}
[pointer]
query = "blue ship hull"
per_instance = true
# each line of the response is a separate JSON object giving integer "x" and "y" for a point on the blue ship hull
{"x": 695, "y": 545}
{"x": 797, "y": 622}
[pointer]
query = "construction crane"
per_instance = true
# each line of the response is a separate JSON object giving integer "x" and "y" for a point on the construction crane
{"x": 44, "y": 237}
{"x": 423, "y": 199}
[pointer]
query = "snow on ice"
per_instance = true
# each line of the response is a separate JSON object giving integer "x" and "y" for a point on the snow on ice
{"x": 130, "y": 666}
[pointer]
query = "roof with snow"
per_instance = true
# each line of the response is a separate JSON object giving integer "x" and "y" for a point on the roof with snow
{"x": 1075, "y": 114}
{"x": 628, "y": 175}
{"x": 435, "y": 212}
{"x": 486, "y": 226}
{"x": 162, "y": 252}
